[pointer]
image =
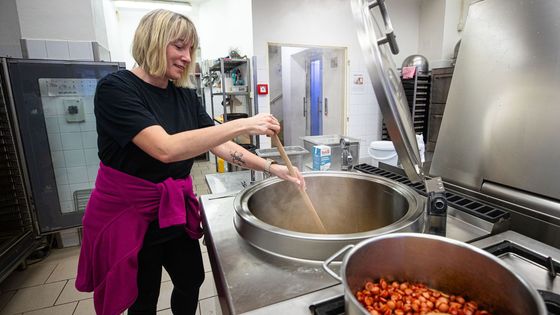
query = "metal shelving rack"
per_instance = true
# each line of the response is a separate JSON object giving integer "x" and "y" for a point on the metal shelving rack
{"x": 417, "y": 90}
{"x": 224, "y": 67}
{"x": 201, "y": 98}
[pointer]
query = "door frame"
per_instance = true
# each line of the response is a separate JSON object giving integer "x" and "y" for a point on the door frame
{"x": 344, "y": 63}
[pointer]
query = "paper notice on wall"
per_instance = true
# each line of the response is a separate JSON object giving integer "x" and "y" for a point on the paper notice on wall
{"x": 357, "y": 86}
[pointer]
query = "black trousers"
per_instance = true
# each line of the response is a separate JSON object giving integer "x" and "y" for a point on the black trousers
{"x": 182, "y": 259}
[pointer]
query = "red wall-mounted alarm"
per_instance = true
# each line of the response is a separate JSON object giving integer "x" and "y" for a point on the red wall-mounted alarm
{"x": 262, "y": 89}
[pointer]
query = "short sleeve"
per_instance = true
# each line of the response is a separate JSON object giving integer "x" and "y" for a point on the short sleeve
{"x": 204, "y": 120}
{"x": 120, "y": 112}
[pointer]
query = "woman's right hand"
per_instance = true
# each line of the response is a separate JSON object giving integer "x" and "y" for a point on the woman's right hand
{"x": 261, "y": 124}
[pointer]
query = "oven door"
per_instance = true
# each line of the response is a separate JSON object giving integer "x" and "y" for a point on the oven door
{"x": 51, "y": 103}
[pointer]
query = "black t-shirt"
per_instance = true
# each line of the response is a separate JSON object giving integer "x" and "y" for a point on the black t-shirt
{"x": 124, "y": 106}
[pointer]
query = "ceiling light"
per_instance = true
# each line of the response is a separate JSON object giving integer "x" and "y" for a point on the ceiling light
{"x": 175, "y": 6}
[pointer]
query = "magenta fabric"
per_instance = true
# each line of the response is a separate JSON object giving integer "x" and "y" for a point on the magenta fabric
{"x": 116, "y": 219}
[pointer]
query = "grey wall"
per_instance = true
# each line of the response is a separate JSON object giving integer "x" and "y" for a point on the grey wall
{"x": 10, "y": 32}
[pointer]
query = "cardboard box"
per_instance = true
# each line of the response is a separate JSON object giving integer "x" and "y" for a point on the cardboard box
{"x": 321, "y": 158}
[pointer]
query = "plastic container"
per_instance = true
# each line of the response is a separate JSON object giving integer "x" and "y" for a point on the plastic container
{"x": 384, "y": 151}
{"x": 332, "y": 141}
{"x": 321, "y": 158}
{"x": 296, "y": 154}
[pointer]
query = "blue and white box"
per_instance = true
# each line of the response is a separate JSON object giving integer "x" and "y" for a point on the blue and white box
{"x": 321, "y": 157}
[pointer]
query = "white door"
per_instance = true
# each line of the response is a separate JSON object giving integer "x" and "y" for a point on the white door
{"x": 333, "y": 92}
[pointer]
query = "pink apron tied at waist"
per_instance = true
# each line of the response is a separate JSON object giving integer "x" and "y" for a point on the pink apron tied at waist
{"x": 114, "y": 225}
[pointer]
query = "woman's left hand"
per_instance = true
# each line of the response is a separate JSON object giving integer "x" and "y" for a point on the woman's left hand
{"x": 283, "y": 172}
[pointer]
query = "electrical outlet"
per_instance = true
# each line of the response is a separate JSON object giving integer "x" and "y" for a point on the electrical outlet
{"x": 74, "y": 110}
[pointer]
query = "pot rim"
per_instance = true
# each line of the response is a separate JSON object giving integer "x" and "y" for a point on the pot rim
{"x": 414, "y": 212}
{"x": 350, "y": 295}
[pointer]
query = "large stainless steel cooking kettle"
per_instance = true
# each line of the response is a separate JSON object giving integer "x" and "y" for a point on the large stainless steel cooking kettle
{"x": 441, "y": 263}
{"x": 272, "y": 216}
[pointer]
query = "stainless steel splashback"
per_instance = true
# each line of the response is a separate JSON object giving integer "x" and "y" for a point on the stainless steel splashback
{"x": 502, "y": 119}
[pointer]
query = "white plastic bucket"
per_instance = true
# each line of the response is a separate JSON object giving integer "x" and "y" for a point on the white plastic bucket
{"x": 384, "y": 151}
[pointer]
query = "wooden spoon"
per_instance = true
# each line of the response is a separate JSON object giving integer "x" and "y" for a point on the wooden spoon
{"x": 303, "y": 193}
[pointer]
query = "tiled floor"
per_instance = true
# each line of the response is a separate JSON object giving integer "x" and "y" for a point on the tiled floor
{"x": 47, "y": 288}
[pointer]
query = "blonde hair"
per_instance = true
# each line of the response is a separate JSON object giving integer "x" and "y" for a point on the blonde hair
{"x": 156, "y": 30}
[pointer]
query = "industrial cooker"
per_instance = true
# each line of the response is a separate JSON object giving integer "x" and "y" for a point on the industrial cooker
{"x": 495, "y": 172}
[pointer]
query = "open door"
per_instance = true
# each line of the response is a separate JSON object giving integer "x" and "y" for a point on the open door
{"x": 333, "y": 92}
{"x": 307, "y": 87}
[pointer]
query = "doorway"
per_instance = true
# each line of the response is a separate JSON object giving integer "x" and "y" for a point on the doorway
{"x": 307, "y": 90}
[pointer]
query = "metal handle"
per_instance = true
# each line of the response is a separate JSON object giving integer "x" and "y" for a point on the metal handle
{"x": 304, "y": 108}
{"x": 390, "y": 37}
{"x": 326, "y": 106}
{"x": 329, "y": 260}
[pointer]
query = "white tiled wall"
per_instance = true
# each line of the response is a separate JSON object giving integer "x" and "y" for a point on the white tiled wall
{"x": 73, "y": 145}
{"x": 57, "y": 49}
{"x": 34, "y": 48}
{"x": 63, "y": 50}
{"x": 364, "y": 116}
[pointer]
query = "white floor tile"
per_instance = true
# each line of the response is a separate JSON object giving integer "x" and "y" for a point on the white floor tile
{"x": 165, "y": 275}
{"x": 57, "y": 255}
{"x": 206, "y": 262}
{"x": 203, "y": 248}
{"x": 169, "y": 312}
{"x": 70, "y": 294}
{"x": 210, "y": 306}
{"x": 66, "y": 309}
{"x": 35, "y": 274}
{"x": 208, "y": 288}
{"x": 165, "y": 291}
{"x": 164, "y": 301}
{"x": 30, "y": 299}
{"x": 59, "y": 269}
{"x": 66, "y": 269}
{"x": 85, "y": 307}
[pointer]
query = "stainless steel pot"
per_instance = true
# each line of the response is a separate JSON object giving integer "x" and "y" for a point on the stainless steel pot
{"x": 441, "y": 263}
{"x": 418, "y": 61}
{"x": 271, "y": 215}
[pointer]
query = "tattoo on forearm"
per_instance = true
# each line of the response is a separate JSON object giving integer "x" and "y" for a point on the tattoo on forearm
{"x": 237, "y": 158}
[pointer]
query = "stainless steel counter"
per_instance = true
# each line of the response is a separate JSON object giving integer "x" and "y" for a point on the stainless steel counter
{"x": 249, "y": 280}
{"x": 231, "y": 181}
{"x": 537, "y": 274}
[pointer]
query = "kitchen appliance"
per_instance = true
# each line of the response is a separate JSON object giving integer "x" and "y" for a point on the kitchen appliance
{"x": 499, "y": 133}
{"x": 536, "y": 261}
{"x": 49, "y": 149}
{"x": 439, "y": 263}
{"x": 351, "y": 206}
{"x": 269, "y": 280}
{"x": 497, "y": 162}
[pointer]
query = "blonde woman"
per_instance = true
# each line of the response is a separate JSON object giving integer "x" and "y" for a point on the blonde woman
{"x": 143, "y": 213}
